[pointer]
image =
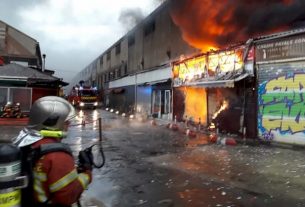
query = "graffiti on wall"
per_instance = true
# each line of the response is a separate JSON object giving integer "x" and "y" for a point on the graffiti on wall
{"x": 282, "y": 105}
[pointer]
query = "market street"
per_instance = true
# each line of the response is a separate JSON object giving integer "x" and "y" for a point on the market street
{"x": 153, "y": 166}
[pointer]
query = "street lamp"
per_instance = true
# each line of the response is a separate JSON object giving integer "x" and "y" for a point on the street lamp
{"x": 44, "y": 62}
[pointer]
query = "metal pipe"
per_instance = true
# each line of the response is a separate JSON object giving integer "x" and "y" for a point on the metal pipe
{"x": 100, "y": 128}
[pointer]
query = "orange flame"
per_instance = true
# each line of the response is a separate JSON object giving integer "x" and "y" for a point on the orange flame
{"x": 194, "y": 107}
{"x": 209, "y": 24}
{"x": 224, "y": 106}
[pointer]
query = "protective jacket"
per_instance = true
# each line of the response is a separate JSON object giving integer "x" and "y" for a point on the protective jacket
{"x": 56, "y": 180}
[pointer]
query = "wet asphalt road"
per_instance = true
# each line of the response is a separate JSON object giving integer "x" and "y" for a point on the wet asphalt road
{"x": 152, "y": 166}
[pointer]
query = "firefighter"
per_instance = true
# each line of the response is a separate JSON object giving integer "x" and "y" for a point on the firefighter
{"x": 56, "y": 179}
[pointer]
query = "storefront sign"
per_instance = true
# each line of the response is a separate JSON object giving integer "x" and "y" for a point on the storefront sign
{"x": 208, "y": 67}
{"x": 283, "y": 49}
{"x": 189, "y": 70}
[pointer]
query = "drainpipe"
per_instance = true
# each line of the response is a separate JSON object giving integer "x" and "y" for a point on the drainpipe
{"x": 242, "y": 124}
{"x": 172, "y": 98}
{"x": 136, "y": 95}
{"x": 44, "y": 62}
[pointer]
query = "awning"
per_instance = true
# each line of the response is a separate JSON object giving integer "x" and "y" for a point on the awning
{"x": 153, "y": 82}
{"x": 158, "y": 82}
{"x": 118, "y": 90}
{"x": 108, "y": 91}
{"x": 228, "y": 83}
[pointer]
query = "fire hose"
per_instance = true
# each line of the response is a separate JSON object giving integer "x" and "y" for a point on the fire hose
{"x": 95, "y": 149}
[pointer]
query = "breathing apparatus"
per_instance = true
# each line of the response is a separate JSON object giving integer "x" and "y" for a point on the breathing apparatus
{"x": 47, "y": 118}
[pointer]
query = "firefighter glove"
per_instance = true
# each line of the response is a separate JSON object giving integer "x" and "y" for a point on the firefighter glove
{"x": 85, "y": 159}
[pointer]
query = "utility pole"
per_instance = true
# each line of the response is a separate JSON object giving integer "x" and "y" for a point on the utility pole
{"x": 44, "y": 62}
{"x": 136, "y": 91}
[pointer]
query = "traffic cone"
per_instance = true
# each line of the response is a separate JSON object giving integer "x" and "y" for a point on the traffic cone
{"x": 153, "y": 122}
{"x": 174, "y": 127}
{"x": 230, "y": 141}
{"x": 190, "y": 133}
{"x": 213, "y": 138}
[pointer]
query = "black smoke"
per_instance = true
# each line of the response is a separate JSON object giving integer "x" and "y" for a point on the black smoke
{"x": 247, "y": 18}
{"x": 131, "y": 17}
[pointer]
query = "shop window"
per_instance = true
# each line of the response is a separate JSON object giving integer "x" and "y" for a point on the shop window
{"x": 131, "y": 40}
{"x": 156, "y": 103}
{"x": 118, "y": 72}
{"x": 3, "y": 96}
{"x": 125, "y": 69}
{"x": 108, "y": 55}
{"x": 105, "y": 78}
{"x": 149, "y": 27}
{"x": 16, "y": 95}
{"x": 167, "y": 102}
{"x": 111, "y": 75}
{"x": 118, "y": 49}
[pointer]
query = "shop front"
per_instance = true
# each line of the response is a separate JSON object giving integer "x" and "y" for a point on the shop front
{"x": 120, "y": 96}
{"x": 122, "y": 99}
{"x": 215, "y": 89}
{"x": 281, "y": 81}
{"x": 162, "y": 100}
{"x": 146, "y": 94}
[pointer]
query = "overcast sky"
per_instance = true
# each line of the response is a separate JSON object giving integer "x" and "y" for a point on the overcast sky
{"x": 72, "y": 33}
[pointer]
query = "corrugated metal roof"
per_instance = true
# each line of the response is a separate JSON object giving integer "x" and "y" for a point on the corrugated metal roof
{"x": 280, "y": 34}
{"x": 15, "y": 70}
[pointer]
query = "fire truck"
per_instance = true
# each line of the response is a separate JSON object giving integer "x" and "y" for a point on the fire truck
{"x": 84, "y": 97}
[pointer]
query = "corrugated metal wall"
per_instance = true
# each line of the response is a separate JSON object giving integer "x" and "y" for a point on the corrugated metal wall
{"x": 281, "y": 93}
{"x": 124, "y": 101}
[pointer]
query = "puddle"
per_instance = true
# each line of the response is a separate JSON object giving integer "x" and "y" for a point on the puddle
{"x": 101, "y": 192}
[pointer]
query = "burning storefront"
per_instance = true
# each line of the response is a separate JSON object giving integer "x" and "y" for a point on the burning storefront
{"x": 215, "y": 89}
{"x": 207, "y": 25}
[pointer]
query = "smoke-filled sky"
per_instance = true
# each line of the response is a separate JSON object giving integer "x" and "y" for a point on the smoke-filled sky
{"x": 72, "y": 33}
{"x": 208, "y": 23}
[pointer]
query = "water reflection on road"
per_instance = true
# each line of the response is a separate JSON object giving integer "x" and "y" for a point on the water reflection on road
{"x": 153, "y": 166}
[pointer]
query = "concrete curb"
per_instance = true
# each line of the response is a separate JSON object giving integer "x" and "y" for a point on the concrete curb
{"x": 14, "y": 121}
{"x": 213, "y": 139}
{"x": 221, "y": 138}
{"x": 225, "y": 140}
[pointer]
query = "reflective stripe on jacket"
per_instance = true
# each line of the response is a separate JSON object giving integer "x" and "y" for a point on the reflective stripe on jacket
{"x": 56, "y": 179}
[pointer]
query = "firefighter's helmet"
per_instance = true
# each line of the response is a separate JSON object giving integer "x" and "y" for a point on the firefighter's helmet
{"x": 51, "y": 113}
{"x": 48, "y": 113}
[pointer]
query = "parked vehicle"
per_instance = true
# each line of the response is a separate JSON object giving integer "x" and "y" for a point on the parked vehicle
{"x": 84, "y": 97}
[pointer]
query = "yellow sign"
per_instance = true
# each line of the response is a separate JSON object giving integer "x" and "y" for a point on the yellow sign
{"x": 191, "y": 68}
{"x": 10, "y": 199}
{"x": 207, "y": 67}
{"x": 88, "y": 98}
{"x": 226, "y": 61}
